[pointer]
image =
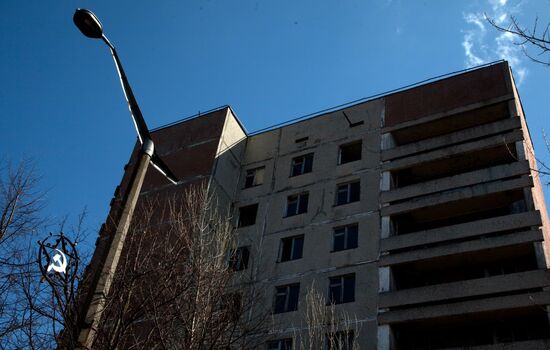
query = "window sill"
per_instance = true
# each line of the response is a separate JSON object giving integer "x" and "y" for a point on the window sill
{"x": 291, "y": 176}
{"x": 258, "y": 185}
{"x": 343, "y": 250}
{"x": 281, "y": 262}
{"x": 351, "y": 161}
{"x": 340, "y": 303}
{"x": 289, "y": 216}
{"x": 283, "y": 312}
{"x": 339, "y": 205}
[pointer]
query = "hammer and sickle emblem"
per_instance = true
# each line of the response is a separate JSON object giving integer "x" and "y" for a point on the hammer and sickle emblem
{"x": 59, "y": 262}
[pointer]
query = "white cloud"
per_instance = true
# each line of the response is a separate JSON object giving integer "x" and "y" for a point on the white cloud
{"x": 476, "y": 18}
{"x": 483, "y": 44}
{"x": 471, "y": 58}
{"x": 496, "y": 4}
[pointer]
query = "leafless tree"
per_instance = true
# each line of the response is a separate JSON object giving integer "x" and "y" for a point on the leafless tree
{"x": 326, "y": 326}
{"x": 175, "y": 287}
{"x": 20, "y": 205}
{"x": 535, "y": 39}
{"x": 29, "y": 318}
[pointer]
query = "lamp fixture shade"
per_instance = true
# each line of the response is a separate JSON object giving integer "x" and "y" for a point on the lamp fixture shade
{"x": 88, "y": 23}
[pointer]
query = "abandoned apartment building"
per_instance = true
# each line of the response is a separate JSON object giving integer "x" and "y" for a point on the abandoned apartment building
{"x": 420, "y": 213}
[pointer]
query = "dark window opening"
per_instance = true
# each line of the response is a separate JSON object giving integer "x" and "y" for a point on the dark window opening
{"x": 254, "y": 177}
{"x": 281, "y": 344}
{"x": 348, "y": 193}
{"x": 342, "y": 289}
{"x": 340, "y": 340}
{"x": 247, "y": 215}
{"x": 301, "y": 165}
{"x": 349, "y": 152}
{"x": 345, "y": 237}
{"x": 238, "y": 259}
{"x": 231, "y": 306}
{"x": 297, "y": 204}
{"x": 291, "y": 248}
{"x": 286, "y": 298}
{"x": 476, "y": 330}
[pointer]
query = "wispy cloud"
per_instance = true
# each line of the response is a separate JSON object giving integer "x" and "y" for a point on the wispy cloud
{"x": 482, "y": 43}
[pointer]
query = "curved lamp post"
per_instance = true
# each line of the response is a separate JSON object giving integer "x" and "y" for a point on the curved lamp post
{"x": 94, "y": 302}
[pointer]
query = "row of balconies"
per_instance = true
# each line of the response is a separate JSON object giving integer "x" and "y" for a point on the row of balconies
{"x": 460, "y": 247}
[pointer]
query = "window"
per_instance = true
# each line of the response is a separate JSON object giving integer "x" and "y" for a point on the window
{"x": 297, "y": 204}
{"x": 254, "y": 177}
{"x": 301, "y": 165}
{"x": 286, "y": 298}
{"x": 281, "y": 344}
{"x": 247, "y": 215}
{"x": 231, "y": 306}
{"x": 345, "y": 237}
{"x": 347, "y": 193}
{"x": 291, "y": 248}
{"x": 349, "y": 152}
{"x": 341, "y": 289}
{"x": 238, "y": 259}
{"x": 340, "y": 340}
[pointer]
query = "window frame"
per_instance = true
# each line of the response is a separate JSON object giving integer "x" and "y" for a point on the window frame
{"x": 301, "y": 208}
{"x": 340, "y": 282}
{"x": 253, "y": 174}
{"x": 350, "y": 197}
{"x": 286, "y": 291}
{"x": 348, "y": 238}
{"x": 237, "y": 260}
{"x": 342, "y": 148}
{"x": 305, "y": 161}
{"x": 293, "y": 248}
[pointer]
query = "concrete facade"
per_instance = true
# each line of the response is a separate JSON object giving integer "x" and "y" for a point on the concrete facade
{"x": 453, "y": 244}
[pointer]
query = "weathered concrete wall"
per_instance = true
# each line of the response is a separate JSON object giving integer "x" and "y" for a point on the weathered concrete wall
{"x": 227, "y": 165}
{"x": 275, "y": 150}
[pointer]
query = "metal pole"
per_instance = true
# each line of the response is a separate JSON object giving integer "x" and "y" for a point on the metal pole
{"x": 102, "y": 281}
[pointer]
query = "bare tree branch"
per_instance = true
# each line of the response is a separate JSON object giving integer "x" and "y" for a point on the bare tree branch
{"x": 174, "y": 287}
{"x": 528, "y": 38}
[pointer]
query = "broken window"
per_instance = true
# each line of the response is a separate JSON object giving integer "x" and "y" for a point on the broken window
{"x": 254, "y": 177}
{"x": 297, "y": 204}
{"x": 280, "y": 344}
{"x": 247, "y": 215}
{"x": 345, "y": 237}
{"x": 238, "y": 259}
{"x": 301, "y": 165}
{"x": 341, "y": 289}
{"x": 286, "y": 298}
{"x": 349, "y": 152}
{"x": 291, "y": 248}
{"x": 348, "y": 193}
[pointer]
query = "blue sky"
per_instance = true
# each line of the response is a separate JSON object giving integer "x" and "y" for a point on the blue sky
{"x": 62, "y": 105}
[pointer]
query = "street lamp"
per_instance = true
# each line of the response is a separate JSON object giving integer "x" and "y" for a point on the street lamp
{"x": 94, "y": 303}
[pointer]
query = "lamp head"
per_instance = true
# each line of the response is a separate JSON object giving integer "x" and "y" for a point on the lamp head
{"x": 88, "y": 23}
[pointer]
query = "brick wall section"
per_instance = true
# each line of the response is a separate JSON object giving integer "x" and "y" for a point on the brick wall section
{"x": 189, "y": 149}
{"x": 446, "y": 94}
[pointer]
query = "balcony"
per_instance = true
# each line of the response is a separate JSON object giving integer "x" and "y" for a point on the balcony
{"x": 439, "y": 293}
{"x": 523, "y": 328}
{"x": 461, "y": 231}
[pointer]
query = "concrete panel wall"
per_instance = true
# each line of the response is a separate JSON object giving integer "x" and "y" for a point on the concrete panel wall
{"x": 275, "y": 150}
{"x": 227, "y": 164}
